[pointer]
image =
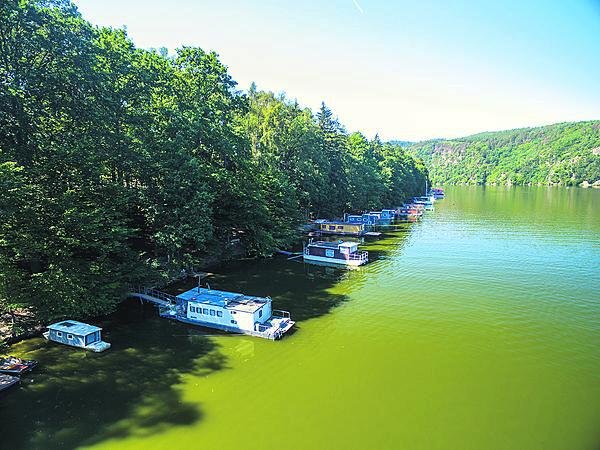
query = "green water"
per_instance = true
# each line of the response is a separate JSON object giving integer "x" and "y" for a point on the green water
{"x": 477, "y": 328}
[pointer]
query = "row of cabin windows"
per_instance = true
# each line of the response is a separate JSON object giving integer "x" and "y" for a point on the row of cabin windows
{"x": 206, "y": 311}
{"x": 59, "y": 334}
{"x": 332, "y": 227}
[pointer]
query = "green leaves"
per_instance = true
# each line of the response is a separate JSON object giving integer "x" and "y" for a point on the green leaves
{"x": 120, "y": 165}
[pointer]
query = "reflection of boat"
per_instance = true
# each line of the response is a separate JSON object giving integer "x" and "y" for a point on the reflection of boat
{"x": 16, "y": 366}
{"x": 340, "y": 253}
{"x": 6, "y": 381}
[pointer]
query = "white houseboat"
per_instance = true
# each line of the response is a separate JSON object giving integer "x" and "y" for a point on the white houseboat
{"x": 229, "y": 311}
{"x": 340, "y": 252}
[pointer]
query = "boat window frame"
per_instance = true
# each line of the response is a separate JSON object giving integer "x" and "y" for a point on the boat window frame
{"x": 70, "y": 337}
{"x": 58, "y": 333}
{"x": 219, "y": 313}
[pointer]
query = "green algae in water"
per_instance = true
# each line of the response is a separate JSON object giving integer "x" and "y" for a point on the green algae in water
{"x": 478, "y": 328}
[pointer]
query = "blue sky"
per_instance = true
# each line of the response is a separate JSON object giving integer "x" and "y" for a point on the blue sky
{"x": 404, "y": 69}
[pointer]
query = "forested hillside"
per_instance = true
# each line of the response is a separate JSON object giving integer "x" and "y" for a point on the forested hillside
{"x": 562, "y": 154}
{"x": 120, "y": 165}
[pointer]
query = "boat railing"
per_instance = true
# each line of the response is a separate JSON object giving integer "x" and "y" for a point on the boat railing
{"x": 154, "y": 293}
{"x": 360, "y": 256}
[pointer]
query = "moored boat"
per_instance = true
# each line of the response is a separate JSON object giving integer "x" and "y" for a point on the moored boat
{"x": 339, "y": 253}
{"x": 426, "y": 201}
{"x": 16, "y": 366}
{"x": 77, "y": 334}
{"x": 7, "y": 381}
{"x": 229, "y": 311}
{"x": 437, "y": 193}
{"x": 342, "y": 228}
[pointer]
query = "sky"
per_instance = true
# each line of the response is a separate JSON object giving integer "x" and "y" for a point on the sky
{"x": 405, "y": 69}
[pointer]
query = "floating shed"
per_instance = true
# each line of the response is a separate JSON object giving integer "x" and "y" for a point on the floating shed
{"x": 77, "y": 334}
{"x": 342, "y": 228}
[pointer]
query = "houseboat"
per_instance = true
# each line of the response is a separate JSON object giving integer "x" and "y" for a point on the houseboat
{"x": 77, "y": 334}
{"x": 437, "y": 193}
{"x": 342, "y": 253}
{"x": 16, "y": 366}
{"x": 342, "y": 228}
{"x": 426, "y": 201}
{"x": 229, "y": 311}
{"x": 7, "y": 381}
{"x": 409, "y": 212}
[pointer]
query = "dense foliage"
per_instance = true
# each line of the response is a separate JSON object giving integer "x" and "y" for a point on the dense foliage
{"x": 561, "y": 154}
{"x": 120, "y": 165}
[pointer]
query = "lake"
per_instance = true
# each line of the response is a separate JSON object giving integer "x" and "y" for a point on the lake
{"x": 476, "y": 328}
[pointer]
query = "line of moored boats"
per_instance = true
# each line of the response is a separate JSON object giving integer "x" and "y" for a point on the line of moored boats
{"x": 233, "y": 312}
{"x": 346, "y": 253}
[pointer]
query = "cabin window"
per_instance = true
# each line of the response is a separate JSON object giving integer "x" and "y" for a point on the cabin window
{"x": 234, "y": 321}
{"x": 91, "y": 338}
{"x": 219, "y": 313}
{"x": 332, "y": 227}
{"x": 233, "y": 312}
{"x": 69, "y": 336}
{"x": 59, "y": 334}
{"x": 192, "y": 309}
{"x": 340, "y": 227}
{"x": 212, "y": 312}
{"x": 329, "y": 253}
{"x": 260, "y": 313}
{"x": 205, "y": 311}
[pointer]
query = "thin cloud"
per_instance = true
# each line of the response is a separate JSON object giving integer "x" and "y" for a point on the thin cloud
{"x": 358, "y": 7}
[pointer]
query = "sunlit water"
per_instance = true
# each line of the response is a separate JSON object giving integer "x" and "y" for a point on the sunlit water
{"x": 477, "y": 328}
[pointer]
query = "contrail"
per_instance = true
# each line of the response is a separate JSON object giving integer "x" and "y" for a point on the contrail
{"x": 358, "y": 6}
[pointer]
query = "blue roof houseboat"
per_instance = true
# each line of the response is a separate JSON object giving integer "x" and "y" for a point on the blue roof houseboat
{"x": 341, "y": 253}
{"x": 342, "y": 228}
{"x": 229, "y": 311}
{"x": 77, "y": 334}
{"x": 437, "y": 193}
{"x": 426, "y": 201}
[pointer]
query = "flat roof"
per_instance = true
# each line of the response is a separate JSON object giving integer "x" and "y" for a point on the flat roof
{"x": 339, "y": 222}
{"x": 74, "y": 327}
{"x": 224, "y": 299}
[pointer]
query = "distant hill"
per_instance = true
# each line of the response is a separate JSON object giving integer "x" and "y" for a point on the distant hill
{"x": 560, "y": 154}
{"x": 401, "y": 143}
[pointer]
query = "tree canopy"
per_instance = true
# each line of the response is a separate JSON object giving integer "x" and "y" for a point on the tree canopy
{"x": 120, "y": 165}
{"x": 565, "y": 154}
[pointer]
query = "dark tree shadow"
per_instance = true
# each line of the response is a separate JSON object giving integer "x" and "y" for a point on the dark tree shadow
{"x": 77, "y": 398}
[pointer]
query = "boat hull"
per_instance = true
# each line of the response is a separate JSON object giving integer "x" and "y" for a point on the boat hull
{"x": 337, "y": 262}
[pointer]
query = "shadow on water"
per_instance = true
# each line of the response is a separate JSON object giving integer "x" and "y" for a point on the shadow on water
{"x": 79, "y": 398}
{"x": 303, "y": 289}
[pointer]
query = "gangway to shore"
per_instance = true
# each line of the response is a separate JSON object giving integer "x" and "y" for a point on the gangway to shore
{"x": 159, "y": 298}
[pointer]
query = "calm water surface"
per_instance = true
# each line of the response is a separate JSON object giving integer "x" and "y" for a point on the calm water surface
{"x": 478, "y": 328}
